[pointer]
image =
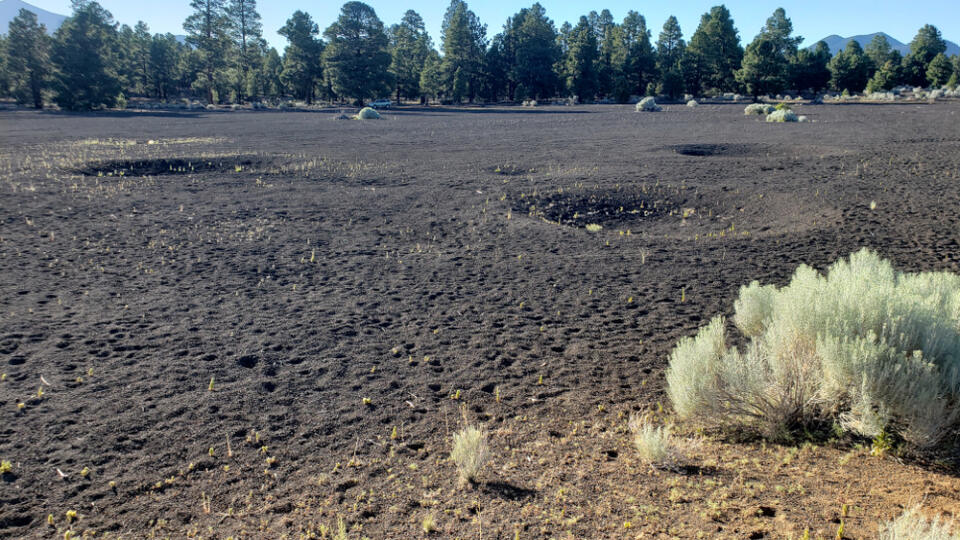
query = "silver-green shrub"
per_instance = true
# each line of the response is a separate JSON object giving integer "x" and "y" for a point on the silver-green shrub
{"x": 874, "y": 349}
{"x": 783, "y": 115}
{"x": 648, "y": 104}
{"x": 368, "y": 113}
{"x": 911, "y": 525}
{"x": 758, "y": 109}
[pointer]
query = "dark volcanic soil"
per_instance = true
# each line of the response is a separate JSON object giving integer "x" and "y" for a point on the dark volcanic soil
{"x": 206, "y": 299}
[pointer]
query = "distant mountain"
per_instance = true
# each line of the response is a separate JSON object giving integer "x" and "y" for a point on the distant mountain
{"x": 9, "y": 9}
{"x": 836, "y": 43}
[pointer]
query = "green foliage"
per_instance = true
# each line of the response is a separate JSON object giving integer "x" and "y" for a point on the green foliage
{"x": 875, "y": 349}
{"x": 164, "y": 65}
{"x": 245, "y": 32}
{"x": 28, "y": 58}
{"x": 648, "y": 104}
{"x": 808, "y": 69}
{"x": 634, "y": 58}
{"x": 850, "y": 69}
{"x": 782, "y": 115}
{"x": 879, "y": 50}
{"x": 410, "y": 46}
{"x": 924, "y": 47}
{"x": 764, "y": 70}
{"x": 939, "y": 71}
{"x": 884, "y": 78}
{"x": 4, "y": 72}
{"x": 207, "y": 29}
{"x": 357, "y": 59}
{"x": 464, "y": 46}
{"x": 303, "y": 57}
{"x": 579, "y": 65}
{"x": 758, "y": 109}
{"x": 367, "y": 113}
{"x": 84, "y": 54}
{"x": 655, "y": 444}
{"x": 714, "y": 53}
{"x": 670, "y": 49}
{"x": 431, "y": 77}
{"x": 527, "y": 52}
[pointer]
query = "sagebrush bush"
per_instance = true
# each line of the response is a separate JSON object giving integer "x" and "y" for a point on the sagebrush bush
{"x": 470, "y": 452}
{"x": 782, "y": 115}
{"x": 692, "y": 103}
{"x": 873, "y": 349}
{"x": 655, "y": 444}
{"x": 648, "y": 104}
{"x": 758, "y": 109}
{"x": 368, "y": 113}
{"x": 911, "y": 525}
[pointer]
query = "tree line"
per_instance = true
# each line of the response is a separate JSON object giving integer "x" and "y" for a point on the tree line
{"x": 91, "y": 61}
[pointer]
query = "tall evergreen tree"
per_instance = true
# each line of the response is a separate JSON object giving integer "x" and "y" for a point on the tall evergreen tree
{"x": 634, "y": 58}
{"x": 765, "y": 67}
{"x": 28, "y": 58}
{"x": 604, "y": 29}
{"x": 924, "y": 47}
{"x": 580, "y": 64}
{"x": 464, "y": 48}
{"x": 207, "y": 29}
{"x": 164, "y": 64}
{"x": 939, "y": 71}
{"x": 410, "y": 46}
{"x": 850, "y": 69}
{"x": 269, "y": 81}
{"x": 878, "y": 50}
{"x": 84, "y": 54}
{"x": 303, "y": 57}
{"x": 714, "y": 53}
{"x": 139, "y": 58}
{"x": 357, "y": 58}
{"x": 4, "y": 72}
{"x": 670, "y": 50}
{"x": 529, "y": 52}
{"x": 431, "y": 77}
{"x": 246, "y": 33}
{"x": 808, "y": 69}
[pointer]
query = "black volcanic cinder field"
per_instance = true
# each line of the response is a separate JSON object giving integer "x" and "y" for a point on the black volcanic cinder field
{"x": 206, "y": 300}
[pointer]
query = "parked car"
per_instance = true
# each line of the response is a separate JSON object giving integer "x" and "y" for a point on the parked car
{"x": 381, "y": 104}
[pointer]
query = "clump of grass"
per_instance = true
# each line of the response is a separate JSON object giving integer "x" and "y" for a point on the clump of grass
{"x": 368, "y": 113}
{"x": 429, "y": 524}
{"x": 5, "y": 467}
{"x": 758, "y": 109}
{"x": 470, "y": 453}
{"x": 692, "y": 103}
{"x": 911, "y": 525}
{"x": 648, "y": 104}
{"x": 655, "y": 445}
{"x": 873, "y": 349}
{"x": 594, "y": 227}
{"x": 783, "y": 115}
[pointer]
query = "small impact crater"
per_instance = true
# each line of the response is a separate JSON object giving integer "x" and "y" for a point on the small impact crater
{"x": 604, "y": 207}
{"x": 167, "y": 167}
{"x": 701, "y": 150}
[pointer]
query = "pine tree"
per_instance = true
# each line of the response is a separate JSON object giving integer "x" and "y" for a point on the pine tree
{"x": 431, "y": 82}
{"x": 529, "y": 50}
{"x": 246, "y": 33}
{"x": 634, "y": 59}
{"x": 464, "y": 47}
{"x": 939, "y": 71}
{"x": 766, "y": 62}
{"x": 808, "y": 69}
{"x": 357, "y": 59}
{"x": 924, "y": 47}
{"x": 604, "y": 29}
{"x": 410, "y": 47}
{"x": 269, "y": 81}
{"x": 28, "y": 58}
{"x": 878, "y": 50}
{"x": 4, "y": 72}
{"x": 850, "y": 69}
{"x": 84, "y": 54}
{"x": 714, "y": 53}
{"x": 670, "y": 49}
{"x": 163, "y": 65}
{"x": 580, "y": 64}
{"x": 303, "y": 57}
{"x": 884, "y": 78}
{"x": 207, "y": 32}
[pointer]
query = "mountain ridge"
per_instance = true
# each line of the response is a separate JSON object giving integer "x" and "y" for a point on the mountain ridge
{"x": 837, "y": 42}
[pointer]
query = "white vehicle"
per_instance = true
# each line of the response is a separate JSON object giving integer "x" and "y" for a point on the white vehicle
{"x": 381, "y": 104}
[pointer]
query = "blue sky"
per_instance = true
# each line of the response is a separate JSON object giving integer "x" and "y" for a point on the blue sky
{"x": 812, "y": 19}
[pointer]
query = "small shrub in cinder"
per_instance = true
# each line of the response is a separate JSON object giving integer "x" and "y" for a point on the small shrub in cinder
{"x": 911, "y": 525}
{"x": 648, "y": 104}
{"x": 594, "y": 227}
{"x": 470, "y": 453}
{"x": 655, "y": 444}
{"x": 368, "y": 113}
{"x": 874, "y": 350}
{"x": 692, "y": 103}
{"x": 758, "y": 109}
{"x": 782, "y": 115}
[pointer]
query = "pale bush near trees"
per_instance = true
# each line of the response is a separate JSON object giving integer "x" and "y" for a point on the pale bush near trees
{"x": 368, "y": 113}
{"x": 648, "y": 104}
{"x": 758, "y": 109}
{"x": 872, "y": 349}
{"x": 783, "y": 115}
{"x": 911, "y": 525}
{"x": 692, "y": 103}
